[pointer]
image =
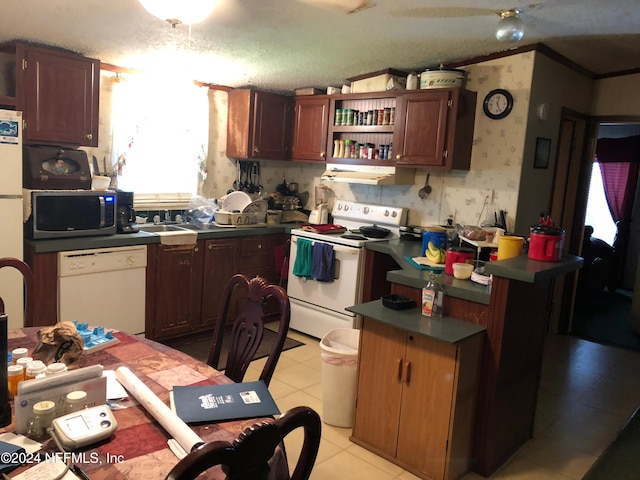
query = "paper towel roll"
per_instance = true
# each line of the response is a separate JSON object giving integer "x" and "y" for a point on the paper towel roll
{"x": 179, "y": 430}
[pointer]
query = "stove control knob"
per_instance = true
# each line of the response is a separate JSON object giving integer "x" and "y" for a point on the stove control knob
{"x": 346, "y": 207}
{"x": 394, "y": 214}
{"x": 365, "y": 210}
{"x": 386, "y": 213}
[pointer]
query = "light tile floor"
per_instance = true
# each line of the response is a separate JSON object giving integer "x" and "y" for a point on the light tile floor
{"x": 587, "y": 392}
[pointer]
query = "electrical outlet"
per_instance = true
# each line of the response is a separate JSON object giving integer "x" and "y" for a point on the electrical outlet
{"x": 487, "y": 195}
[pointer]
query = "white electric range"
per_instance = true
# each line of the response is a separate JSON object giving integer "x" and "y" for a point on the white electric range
{"x": 317, "y": 307}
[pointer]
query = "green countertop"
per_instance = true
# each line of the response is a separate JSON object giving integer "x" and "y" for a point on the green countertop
{"x": 445, "y": 329}
{"x": 519, "y": 268}
{"x": 145, "y": 238}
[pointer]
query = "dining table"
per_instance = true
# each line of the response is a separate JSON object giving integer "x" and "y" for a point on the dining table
{"x": 139, "y": 449}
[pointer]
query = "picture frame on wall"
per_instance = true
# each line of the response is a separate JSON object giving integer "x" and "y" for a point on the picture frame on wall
{"x": 543, "y": 152}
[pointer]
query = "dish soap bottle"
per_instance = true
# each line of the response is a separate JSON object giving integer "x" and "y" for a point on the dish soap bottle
{"x": 433, "y": 296}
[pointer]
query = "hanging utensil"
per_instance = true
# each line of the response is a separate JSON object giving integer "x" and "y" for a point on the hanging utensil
{"x": 426, "y": 190}
{"x": 236, "y": 182}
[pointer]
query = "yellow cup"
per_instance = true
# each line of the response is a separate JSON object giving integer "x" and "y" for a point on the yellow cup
{"x": 509, "y": 246}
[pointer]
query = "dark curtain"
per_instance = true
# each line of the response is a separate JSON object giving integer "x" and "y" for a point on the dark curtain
{"x": 619, "y": 159}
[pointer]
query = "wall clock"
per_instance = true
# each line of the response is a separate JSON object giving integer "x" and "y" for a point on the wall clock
{"x": 498, "y": 104}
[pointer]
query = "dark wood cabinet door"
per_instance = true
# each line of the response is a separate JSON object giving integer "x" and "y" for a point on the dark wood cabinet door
{"x": 379, "y": 391}
{"x": 259, "y": 125}
{"x": 427, "y": 399}
{"x": 421, "y": 128}
{"x": 219, "y": 266}
{"x": 310, "y": 128}
{"x": 178, "y": 288}
{"x": 272, "y": 126}
{"x": 60, "y": 97}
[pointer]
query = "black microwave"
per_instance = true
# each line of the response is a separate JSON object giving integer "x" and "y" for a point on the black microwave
{"x": 71, "y": 213}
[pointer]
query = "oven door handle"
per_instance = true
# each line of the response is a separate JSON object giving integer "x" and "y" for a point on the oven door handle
{"x": 337, "y": 248}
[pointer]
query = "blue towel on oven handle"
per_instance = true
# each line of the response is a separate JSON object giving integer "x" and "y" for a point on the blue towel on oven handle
{"x": 304, "y": 258}
{"x": 322, "y": 263}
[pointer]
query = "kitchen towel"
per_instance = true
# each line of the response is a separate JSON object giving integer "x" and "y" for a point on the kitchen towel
{"x": 304, "y": 258}
{"x": 322, "y": 263}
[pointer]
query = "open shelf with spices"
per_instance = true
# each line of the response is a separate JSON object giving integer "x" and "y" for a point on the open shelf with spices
{"x": 361, "y": 128}
{"x": 418, "y": 128}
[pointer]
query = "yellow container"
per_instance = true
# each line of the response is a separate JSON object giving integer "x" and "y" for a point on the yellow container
{"x": 509, "y": 246}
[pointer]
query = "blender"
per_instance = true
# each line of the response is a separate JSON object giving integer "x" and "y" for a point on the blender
{"x": 320, "y": 214}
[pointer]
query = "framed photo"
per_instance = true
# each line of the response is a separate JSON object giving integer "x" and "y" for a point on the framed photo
{"x": 543, "y": 151}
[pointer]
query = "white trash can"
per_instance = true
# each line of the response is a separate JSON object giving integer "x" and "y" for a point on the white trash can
{"x": 339, "y": 376}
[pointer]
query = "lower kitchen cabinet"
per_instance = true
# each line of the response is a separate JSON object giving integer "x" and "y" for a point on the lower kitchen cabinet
{"x": 220, "y": 265}
{"x": 174, "y": 286}
{"x": 185, "y": 283}
{"x": 416, "y": 399}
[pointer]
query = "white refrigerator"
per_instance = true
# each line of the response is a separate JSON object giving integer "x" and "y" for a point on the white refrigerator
{"x": 11, "y": 216}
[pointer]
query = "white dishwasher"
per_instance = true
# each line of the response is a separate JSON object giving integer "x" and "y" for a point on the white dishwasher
{"x": 103, "y": 287}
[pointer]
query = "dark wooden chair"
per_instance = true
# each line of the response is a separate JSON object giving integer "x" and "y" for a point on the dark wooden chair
{"x": 29, "y": 285}
{"x": 247, "y": 457}
{"x": 248, "y": 328}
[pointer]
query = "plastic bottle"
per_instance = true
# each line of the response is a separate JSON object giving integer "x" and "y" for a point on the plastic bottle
{"x": 74, "y": 401}
{"x": 34, "y": 368}
{"x": 54, "y": 368}
{"x": 17, "y": 353}
{"x": 43, "y": 414}
{"x": 15, "y": 374}
{"x": 24, "y": 361}
{"x": 433, "y": 297}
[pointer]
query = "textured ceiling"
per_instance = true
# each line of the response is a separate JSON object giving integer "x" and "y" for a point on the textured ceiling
{"x": 286, "y": 44}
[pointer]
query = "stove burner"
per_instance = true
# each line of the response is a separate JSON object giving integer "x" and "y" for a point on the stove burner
{"x": 353, "y": 237}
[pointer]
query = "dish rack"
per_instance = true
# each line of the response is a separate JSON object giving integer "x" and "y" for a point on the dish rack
{"x": 239, "y": 219}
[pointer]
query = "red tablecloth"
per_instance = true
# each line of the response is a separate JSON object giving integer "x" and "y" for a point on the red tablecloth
{"x": 139, "y": 449}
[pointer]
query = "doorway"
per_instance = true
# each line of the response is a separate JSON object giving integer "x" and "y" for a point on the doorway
{"x": 608, "y": 281}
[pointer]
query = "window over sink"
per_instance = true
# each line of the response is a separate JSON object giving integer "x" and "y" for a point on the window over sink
{"x": 160, "y": 138}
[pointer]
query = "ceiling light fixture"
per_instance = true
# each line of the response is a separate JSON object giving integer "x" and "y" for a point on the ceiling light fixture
{"x": 510, "y": 26}
{"x": 179, "y": 11}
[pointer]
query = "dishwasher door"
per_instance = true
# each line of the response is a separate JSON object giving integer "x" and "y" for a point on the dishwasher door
{"x": 103, "y": 287}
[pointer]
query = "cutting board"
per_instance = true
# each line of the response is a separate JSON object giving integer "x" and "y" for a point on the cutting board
{"x": 324, "y": 228}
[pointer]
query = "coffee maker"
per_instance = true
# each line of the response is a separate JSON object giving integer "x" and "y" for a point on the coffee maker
{"x": 126, "y": 215}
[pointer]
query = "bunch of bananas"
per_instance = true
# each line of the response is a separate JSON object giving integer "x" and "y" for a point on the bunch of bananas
{"x": 435, "y": 254}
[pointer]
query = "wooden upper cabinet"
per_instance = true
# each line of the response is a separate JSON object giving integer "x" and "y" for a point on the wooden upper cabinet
{"x": 259, "y": 125}
{"x": 58, "y": 93}
{"x": 310, "y": 128}
{"x": 434, "y": 128}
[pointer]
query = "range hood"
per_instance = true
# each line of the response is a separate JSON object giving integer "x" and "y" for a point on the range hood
{"x": 368, "y": 174}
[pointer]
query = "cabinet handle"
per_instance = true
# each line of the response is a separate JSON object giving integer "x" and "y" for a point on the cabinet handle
{"x": 399, "y": 369}
{"x": 256, "y": 150}
{"x": 322, "y": 154}
{"x": 398, "y": 156}
{"x": 89, "y": 136}
{"x": 196, "y": 249}
{"x": 209, "y": 246}
{"x": 407, "y": 372}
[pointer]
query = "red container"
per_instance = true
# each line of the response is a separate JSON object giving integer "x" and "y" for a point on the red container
{"x": 457, "y": 255}
{"x": 545, "y": 243}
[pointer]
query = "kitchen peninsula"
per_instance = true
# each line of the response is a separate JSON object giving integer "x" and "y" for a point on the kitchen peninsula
{"x": 514, "y": 311}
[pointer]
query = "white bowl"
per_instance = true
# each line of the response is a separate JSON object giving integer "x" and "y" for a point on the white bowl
{"x": 235, "y": 201}
{"x": 98, "y": 182}
{"x": 462, "y": 271}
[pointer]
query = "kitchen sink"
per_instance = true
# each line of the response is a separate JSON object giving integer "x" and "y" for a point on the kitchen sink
{"x": 157, "y": 228}
{"x": 172, "y": 234}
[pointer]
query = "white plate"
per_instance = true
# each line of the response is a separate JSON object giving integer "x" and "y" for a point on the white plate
{"x": 235, "y": 201}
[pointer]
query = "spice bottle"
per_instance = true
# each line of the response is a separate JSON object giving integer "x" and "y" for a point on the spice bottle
{"x": 433, "y": 297}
